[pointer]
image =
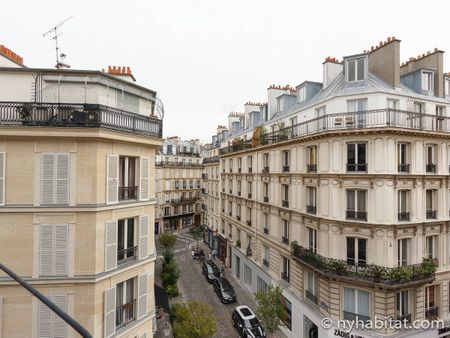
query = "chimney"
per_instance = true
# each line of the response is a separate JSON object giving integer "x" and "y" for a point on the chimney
{"x": 121, "y": 72}
{"x": 273, "y": 92}
{"x": 431, "y": 60}
{"x": 9, "y": 54}
{"x": 331, "y": 69}
{"x": 384, "y": 61}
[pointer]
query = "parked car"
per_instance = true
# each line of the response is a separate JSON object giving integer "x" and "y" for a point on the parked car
{"x": 245, "y": 321}
{"x": 210, "y": 270}
{"x": 224, "y": 290}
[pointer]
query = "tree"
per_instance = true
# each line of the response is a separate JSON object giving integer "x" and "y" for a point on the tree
{"x": 197, "y": 233}
{"x": 194, "y": 319}
{"x": 167, "y": 240}
{"x": 271, "y": 310}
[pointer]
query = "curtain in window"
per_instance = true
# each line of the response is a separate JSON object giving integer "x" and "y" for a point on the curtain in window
{"x": 363, "y": 303}
{"x": 349, "y": 300}
{"x": 351, "y": 200}
{"x": 361, "y": 200}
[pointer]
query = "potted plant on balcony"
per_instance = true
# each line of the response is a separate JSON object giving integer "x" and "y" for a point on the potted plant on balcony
{"x": 401, "y": 273}
{"x": 238, "y": 243}
{"x": 295, "y": 247}
{"x": 427, "y": 268}
{"x": 283, "y": 132}
{"x": 378, "y": 272}
{"x": 339, "y": 267}
{"x": 259, "y": 136}
{"x": 237, "y": 144}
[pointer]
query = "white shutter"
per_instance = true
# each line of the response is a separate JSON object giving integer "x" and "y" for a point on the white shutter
{"x": 142, "y": 296}
{"x": 46, "y": 250}
{"x": 2, "y": 178}
{"x": 110, "y": 245}
{"x": 61, "y": 249}
{"x": 112, "y": 179}
{"x": 47, "y": 178}
{"x": 59, "y": 325}
{"x": 110, "y": 312}
{"x": 62, "y": 179}
{"x": 44, "y": 321}
{"x": 143, "y": 237}
{"x": 144, "y": 182}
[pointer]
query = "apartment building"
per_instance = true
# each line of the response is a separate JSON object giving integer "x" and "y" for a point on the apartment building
{"x": 178, "y": 184}
{"x": 77, "y": 151}
{"x": 338, "y": 191}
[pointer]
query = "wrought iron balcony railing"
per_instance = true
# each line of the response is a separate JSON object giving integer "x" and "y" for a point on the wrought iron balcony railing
{"x": 370, "y": 273}
{"x": 311, "y": 209}
{"x": 431, "y": 168}
{"x": 265, "y": 170}
{"x": 265, "y": 262}
{"x": 285, "y": 239}
{"x": 403, "y": 168}
{"x": 311, "y": 168}
{"x": 431, "y": 214}
{"x": 285, "y": 204}
{"x": 406, "y": 318}
{"x": 126, "y": 255}
{"x": 432, "y": 312}
{"x": 176, "y": 164}
{"x": 266, "y": 199}
{"x": 357, "y": 167}
{"x": 356, "y": 317}
{"x": 266, "y": 231}
{"x": 63, "y": 115}
{"x": 356, "y": 215}
{"x": 367, "y": 119}
{"x": 403, "y": 215}
{"x": 285, "y": 168}
{"x": 209, "y": 160}
{"x": 128, "y": 193}
{"x": 312, "y": 297}
{"x": 125, "y": 314}
{"x": 285, "y": 276}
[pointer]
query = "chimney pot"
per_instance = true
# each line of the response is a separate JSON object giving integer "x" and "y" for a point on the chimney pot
{"x": 389, "y": 39}
{"x": 436, "y": 49}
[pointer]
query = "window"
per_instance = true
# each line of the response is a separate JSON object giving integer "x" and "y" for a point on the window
{"x": 403, "y": 157}
{"x": 239, "y": 161}
{"x": 247, "y": 275}
{"x": 447, "y": 87}
{"x": 403, "y": 205}
{"x": 230, "y": 165}
{"x": 266, "y": 255}
{"x": 356, "y": 205}
{"x": 312, "y": 239}
{"x": 356, "y": 157}
{"x": 311, "y": 198}
{"x": 55, "y": 179}
{"x": 311, "y": 159}
{"x": 286, "y": 161}
{"x": 356, "y": 305}
{"x": 392, "y": 104}
{"x": 311, "y": 286}
{"x": 431, "y": 203}
{"x": 287, "y": 319}
{"x": 293, "y": 124}
{"x": 49, "y": 323}
{"x": 238, "y": 212}
{"x": 266, "y": 162}
{"x": 402, "y": 306}
{"x": 126, "y": 240}
{"x": 230, "y": 208}
{"x": 249, "y": 216}
{"x": 261, "y": 285}
{"x": 440, "y": 116}
{"x": 430, "y": 153}
{"x": 266, "y": 192}
{"x": 249, "y": 189}
{"x": 125, "y": 302}
{"x": 427, "y": 81}
{"x": 128, "y": 188}
{"x": 285, "y": 195}
{"x": 285, "y": 229}
{"x": 356, "y": 250}
{"x": 356, "y": 69}
{"x": 403, "y": 251}
{"x": 250, "y": 163}
{"x": 266, "y": 223}
{"x": 53, "y": 250}
{"x": 431, "y": 246}
{"x": 286, "y": 267}
{"x": 239, "y": 186}
{"x": 431, "y": 302}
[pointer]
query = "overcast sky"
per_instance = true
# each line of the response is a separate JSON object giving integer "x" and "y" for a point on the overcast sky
{"x": 206, "y": 58}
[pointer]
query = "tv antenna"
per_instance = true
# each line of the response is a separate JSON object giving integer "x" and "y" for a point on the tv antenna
{"x": 55, "y": 35}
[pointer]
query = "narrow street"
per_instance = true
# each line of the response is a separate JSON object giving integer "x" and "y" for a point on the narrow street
{"x": 193, "y": 285}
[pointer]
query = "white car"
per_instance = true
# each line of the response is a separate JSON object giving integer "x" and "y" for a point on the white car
{"x": 245, "y": 321}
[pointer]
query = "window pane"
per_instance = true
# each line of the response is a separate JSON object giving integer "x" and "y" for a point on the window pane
{"x": 363, "y": 303}
{"x": 362, "y": 250}
{"x": 361, "y": 153}
{"x": 361, "y": 201}
{"x": 350, "y": 199}
{"x": 351, "y": 70}
{"x": 349, "y": 300}
{"x": 351, "y": 154}
{"x": 351, "y": 249}
{"x": 361, "y": 69}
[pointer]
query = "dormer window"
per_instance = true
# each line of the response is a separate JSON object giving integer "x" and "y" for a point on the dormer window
{"x": 356, "y": 69}
{"x": 427, "y": 81}
{"x": 447, "y": 87}
{"x": 302, "y": 94}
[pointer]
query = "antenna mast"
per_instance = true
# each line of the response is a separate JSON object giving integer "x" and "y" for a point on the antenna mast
{"x": 54, "y": 31}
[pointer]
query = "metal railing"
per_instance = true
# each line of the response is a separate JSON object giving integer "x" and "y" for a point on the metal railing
{"x": 403, "y": 318}
{"x": 403, "y": 215}
{"x": 209, "y": 160}
{"x": 356, "y": 317}
{"x": 265, "y": 262}
{"x": 65, "y": 115}
{"x": 52, "y": 306}
{"x": 285, "y": 239}
{"x": 285, "y": 168}
{"x": 423, "y": 272}
{"x": 357, "y": 167}
{"x": 311, "y": 168}
{"x": 311, "y": 209}
{"x": 128, "y": 193}
{"x": 356, "y": 215}
{"x": 367, "y": 119}
{"x": 403, "y": 168}
{"x": 431, "y": 214}
{"x": 285, "y": 276}
{"x": 126, "y": 255}
{"x": 125, "y": 314}
{"x": 285, "y": 204}
{"x": 312, "y": 297}
{"x": 176, "y": 164}
{"x": 266, "y": 199}
{"x": 432, "y": 312}
{"x": 266, "y": 230}
{"x": 430, "y": 168}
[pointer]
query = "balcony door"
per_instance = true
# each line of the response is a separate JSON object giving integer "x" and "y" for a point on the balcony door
{"x": 127, "y": 178}
{"x": 356, "y": 251}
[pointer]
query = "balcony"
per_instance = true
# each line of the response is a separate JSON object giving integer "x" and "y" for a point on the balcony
{"x": 266, "y": 199}
{"x": 231, "y": 191}
{"x": 239, "y": 170}
{"x": 230, "y": 213}
{"x": 311, "y": 168}
{"x": 209, "y": 160}
{"x": 231, "y": 170}
{"x": 432, "y": 312}
{"x": 238, "y": 217}
{"x": 61, "y": 115}
{"x": 404, "y": 318}
{"x": 204, "y": 176}
{"x": 312, "y": 297}
{"x": 266, "y": 230}
{"x": 126, "y": 255}
{"x": 249, "y": 223}
{"x": 403, "y": 168}
{"x": 285, "y": 168}
{"x": 177, "y": 164}
{"x": 285, "y": 276}
{"x": 430, "y": 168}
{"x": 357, "y": 167}
{"x": 360, "y": 120}
{"x": 403, "y": 216}
{"x": 128, "y": 193}
{"x": 265, "y": 262}
{"x": 285, "y": 239}
{"x": 285, "y": 204}
{"x": 125, "y": 314}
{"x": 265, "y": 170}
{"x": 249, "y": 195}
{"x": 311, "y": 209}
{"x": 356, "y": 215}
{"x": 239, "y": 193}
{"x": 250, "y": 169}
{"x": 203, "y": 191}
{"x": 431, "y": 214}
{"x": 355, "y": 317}
{"x": 369, "y": 273}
